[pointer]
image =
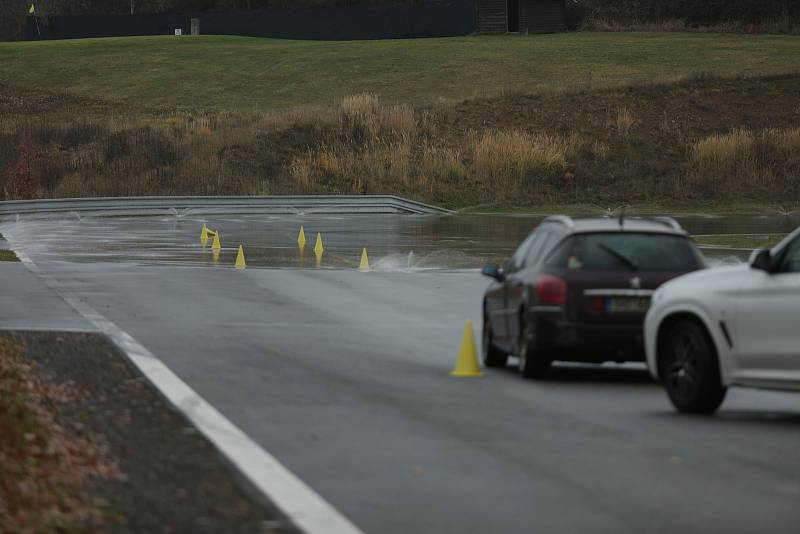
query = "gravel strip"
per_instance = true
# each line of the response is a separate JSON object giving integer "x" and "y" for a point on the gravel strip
{"x": 174, "y": 479}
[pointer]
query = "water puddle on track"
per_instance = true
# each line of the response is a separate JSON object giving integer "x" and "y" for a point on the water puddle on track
{"x": 393, "y": 242}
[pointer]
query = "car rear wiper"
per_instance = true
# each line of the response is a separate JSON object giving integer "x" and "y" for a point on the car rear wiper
{"x": 631, "y": 264}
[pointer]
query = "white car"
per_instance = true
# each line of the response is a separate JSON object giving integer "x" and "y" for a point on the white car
{"x": 728, "y": 326}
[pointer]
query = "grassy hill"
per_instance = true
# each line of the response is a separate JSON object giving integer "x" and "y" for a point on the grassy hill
{"x": 604, "y": 119}
{"x": 245, "y": 74}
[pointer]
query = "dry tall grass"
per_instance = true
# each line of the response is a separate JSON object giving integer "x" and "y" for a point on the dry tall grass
{"x": 746, "y": 162}
{"x": 516, "y": 159}
{"x": 600, "y": 149}
{"x": 378, "y": 148}
{"x": 623, "y": 121}
{"x": 359, "y": 145}
{"x": 364, "y": 120}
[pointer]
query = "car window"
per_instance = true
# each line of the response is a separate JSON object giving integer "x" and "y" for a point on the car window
{"x": 560, "y": 255}
{"x": 791, "y": 259}
{"x": 518, "y": 259}
{"x": 538, "y": 249}
{"x": 630, "y": 251}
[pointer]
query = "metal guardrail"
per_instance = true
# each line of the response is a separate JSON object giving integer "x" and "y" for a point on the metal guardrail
{"x": 133, "y": 206}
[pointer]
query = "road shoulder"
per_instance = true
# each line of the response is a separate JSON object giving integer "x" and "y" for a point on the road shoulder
{"x": 173, "y": 479}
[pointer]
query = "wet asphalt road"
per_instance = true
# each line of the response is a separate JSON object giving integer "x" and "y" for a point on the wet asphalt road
{"x": 343, "y": 376}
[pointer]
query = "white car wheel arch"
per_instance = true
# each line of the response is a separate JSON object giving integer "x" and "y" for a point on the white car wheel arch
{"x": 669, "y": 316}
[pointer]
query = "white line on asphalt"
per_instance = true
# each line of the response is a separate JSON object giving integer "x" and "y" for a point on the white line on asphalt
{"x": 302, "y": 505}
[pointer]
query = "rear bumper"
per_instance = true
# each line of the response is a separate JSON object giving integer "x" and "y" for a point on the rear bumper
{"x": 563, "y": 339}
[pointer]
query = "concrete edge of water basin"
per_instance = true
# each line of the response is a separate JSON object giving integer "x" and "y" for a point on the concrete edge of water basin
{"x": 180, "y": 206}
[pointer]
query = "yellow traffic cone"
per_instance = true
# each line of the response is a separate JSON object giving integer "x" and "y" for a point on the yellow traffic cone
{"x": 204, "y": 235}
{"x": 364, "y": 266}
{"x": 318, "y": 248}
{"x": 467, "y": 362}
{"x": 301, "y": 237}
{"x": 215, "y": 244}
{"x": 240, "y": 263}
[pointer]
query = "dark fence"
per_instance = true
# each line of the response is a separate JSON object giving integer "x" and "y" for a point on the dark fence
{"x": 331, "y": 23}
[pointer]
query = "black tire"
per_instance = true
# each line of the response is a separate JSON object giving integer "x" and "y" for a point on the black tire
{"x": 492, "y": 356}
{"x": 532, "y": 363}
{"x": 689, "y": 369}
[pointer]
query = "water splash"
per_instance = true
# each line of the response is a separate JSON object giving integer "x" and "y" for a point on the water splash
{"x": 720, "y": 261}
{"x": 436, "y": 260}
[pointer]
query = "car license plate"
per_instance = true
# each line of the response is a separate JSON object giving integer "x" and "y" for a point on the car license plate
{"x": 627, "y": 304}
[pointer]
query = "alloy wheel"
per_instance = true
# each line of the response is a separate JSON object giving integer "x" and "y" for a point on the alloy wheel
{"x": 682, "y": 372}
{"x": 689, "y": 369}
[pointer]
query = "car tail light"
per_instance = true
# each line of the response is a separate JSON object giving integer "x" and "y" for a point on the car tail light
{"x": 551, "y": 290}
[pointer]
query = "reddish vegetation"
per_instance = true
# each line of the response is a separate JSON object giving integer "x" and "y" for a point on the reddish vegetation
{"x": 45, "y": 467}
{"x": 21, "y": 183}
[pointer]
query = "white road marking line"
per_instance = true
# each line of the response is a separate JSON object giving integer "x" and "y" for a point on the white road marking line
{"x": 302, "y": 505}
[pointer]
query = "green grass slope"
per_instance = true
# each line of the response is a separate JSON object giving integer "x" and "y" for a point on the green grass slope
{"x": 247, "y": 74}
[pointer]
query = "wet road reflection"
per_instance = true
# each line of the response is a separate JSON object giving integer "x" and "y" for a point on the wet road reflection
{"x": 394, "y": 242}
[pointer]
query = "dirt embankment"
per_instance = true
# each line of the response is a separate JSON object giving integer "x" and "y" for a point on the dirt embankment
{"x": 699, "y": 139}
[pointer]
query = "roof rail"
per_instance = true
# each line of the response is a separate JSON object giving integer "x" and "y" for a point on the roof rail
{"x": 669, "y": 221}
{"x": 563, "y": 219}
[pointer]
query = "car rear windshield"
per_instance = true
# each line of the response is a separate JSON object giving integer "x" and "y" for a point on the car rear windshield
{"x": 615, "y": 251}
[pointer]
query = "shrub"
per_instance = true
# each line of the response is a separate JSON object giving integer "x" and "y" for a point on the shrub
{"x": 763, "y": 16}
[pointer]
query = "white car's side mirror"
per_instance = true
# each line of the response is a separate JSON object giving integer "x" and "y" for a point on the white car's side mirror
{"x": 761, "y": 259}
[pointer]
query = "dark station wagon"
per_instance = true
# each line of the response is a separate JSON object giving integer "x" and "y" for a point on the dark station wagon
{"x": 578, "y": 290}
